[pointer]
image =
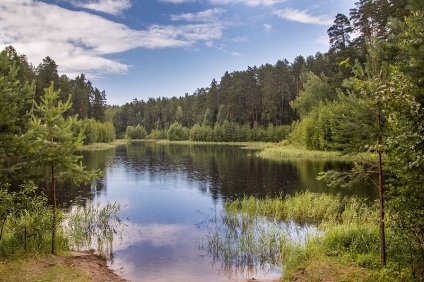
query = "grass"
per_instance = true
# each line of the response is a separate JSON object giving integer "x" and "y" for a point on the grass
{"x": 344, "y": 247}
{"x": 102, "y": 146}
{"x": 94, "y": 227}
{"x": 290, "y": 152}
{"x": 47, "y": 268}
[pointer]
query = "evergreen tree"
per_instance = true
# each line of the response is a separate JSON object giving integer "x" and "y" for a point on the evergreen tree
{"x": 339, "y": 32}
{"x": 15, "y": 97}
{"x": 52, "y": 143}
{"x": 98, "y": 105}
{"x": 46, "y": 73}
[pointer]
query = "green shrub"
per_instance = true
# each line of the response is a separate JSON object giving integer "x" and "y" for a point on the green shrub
{"x": 177, "y": 132}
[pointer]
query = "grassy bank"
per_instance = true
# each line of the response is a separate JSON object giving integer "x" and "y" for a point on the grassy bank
{"x": 102, "y": 146}
{"x": 76, "y": 267}
{"x": 344, "y": 247}
{"x": 290, "y": 152}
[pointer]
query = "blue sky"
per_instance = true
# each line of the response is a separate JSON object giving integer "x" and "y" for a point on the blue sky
{"x": 164, "y": 48}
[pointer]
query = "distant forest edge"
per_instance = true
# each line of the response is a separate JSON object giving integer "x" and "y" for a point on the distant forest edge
{"x": 302, "y": 99}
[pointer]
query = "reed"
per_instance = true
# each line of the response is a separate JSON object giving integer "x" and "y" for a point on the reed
{"x": 332, "y": 229}
{"x": 93, "y": 227}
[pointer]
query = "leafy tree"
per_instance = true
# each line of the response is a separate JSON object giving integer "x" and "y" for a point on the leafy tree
{"x": 177, "y": 132}
{"x": 52, "y": 143}
{"x": 208, "y": 118}
{"x": 315, "y": 90}
{"x": 136, "y": 132}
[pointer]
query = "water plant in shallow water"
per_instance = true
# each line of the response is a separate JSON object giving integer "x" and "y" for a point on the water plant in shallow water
{"x": 288, "y": 233}
{"x": 94, "y": 227}
{"x": 244, "y": 242}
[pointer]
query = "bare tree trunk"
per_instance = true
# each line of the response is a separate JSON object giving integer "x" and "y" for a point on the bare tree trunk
{"x": 381, "y": 192}
{"x": 54, "y": 207}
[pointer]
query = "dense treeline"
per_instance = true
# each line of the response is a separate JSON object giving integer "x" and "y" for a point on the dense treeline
{"x": 265, "y": 95}
{"x": 88, "y": 102}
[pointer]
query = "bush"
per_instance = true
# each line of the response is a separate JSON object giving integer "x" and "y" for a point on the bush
{"x": 137, "y": 132}
{"x": 177, "y": 132}
{"x": 26, "y": 222}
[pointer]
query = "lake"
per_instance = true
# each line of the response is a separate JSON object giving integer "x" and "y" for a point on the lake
{"x": 168, "y": 192}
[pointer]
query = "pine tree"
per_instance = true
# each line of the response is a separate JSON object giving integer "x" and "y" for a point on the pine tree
{"x": 52, "y": 143}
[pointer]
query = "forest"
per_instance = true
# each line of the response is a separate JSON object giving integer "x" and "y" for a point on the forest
{"x": 366, "y": 94}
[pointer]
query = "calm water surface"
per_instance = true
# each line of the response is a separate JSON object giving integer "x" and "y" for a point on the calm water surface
{"x": 168, "y": 189}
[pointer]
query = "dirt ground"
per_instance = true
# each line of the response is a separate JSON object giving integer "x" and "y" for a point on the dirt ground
{"x": 94, "y": 265}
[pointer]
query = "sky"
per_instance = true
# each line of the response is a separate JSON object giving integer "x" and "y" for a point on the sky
{"x": 137, "y": 49}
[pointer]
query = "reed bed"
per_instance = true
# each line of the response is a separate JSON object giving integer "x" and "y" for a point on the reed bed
{"x": 291, "y": 231}
{"x": 93, "y": 227}
{"x": 290, "y": 152}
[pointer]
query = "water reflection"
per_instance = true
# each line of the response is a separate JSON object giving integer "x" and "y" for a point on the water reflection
{"x": 167, "y": 189}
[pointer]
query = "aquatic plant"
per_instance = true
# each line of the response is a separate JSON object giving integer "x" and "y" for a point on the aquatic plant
{"x": 94, "y": 226}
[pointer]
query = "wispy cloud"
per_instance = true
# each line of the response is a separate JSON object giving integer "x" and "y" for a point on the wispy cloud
{"x": 176, "y": 1}
{"x": 251, "y": 3}
{"x": 303, "y": 17}
{"x": 114, "y": 7}
{"x": 210, "y": 15}
{"x": 323, "y": 40}
{"x": 267, "y": 27}
{"x": 79, "y": 41}
{"x": 236, "y": 54}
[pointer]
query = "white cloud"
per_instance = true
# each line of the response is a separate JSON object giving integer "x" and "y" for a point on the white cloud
{"x": 303, "y": 17}
{"x": 267, "y": 27}
{"x": 236, "y": 54}
{"x": 176, "y": 1}
{"x": 323, "y": 40}
{"x": 79, "y": 41}
{"x": 204, "y": 16}
{"x": 251, "y": 3}
{"x": 113, "y": 7}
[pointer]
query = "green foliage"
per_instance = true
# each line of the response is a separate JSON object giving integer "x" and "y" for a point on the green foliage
{"x": 157, "y": 134}
{"x": 15, "y": 97}
{"x": 347, "y": 231}
{"x": 177, "y": 132}
{"x": 136, "y": 132}
{"x": 355, "y": 240}
{"x": 315, "y": 90}
{"x": 52, "y": 143}
{"x": 94, "y": 131}
{"x": 51, "y": 140}
{"x": 201, "y": 133}
{"x": 25, "y": 222}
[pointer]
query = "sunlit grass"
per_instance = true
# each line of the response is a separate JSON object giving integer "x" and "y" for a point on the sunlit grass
{"x": 40, "y": 269}
{"x": 330, "y": 229}
{"x": 290, "y": 152}
{"x": 102, "y": 146}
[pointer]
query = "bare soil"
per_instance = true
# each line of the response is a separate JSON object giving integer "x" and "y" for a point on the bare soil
{"x": 95, "y": 266}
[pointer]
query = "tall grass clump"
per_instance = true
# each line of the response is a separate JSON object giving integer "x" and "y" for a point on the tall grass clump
{"x": 25, "y": 223}
{"x": 93, "y": 227}
{"x": 335, "y": 228}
